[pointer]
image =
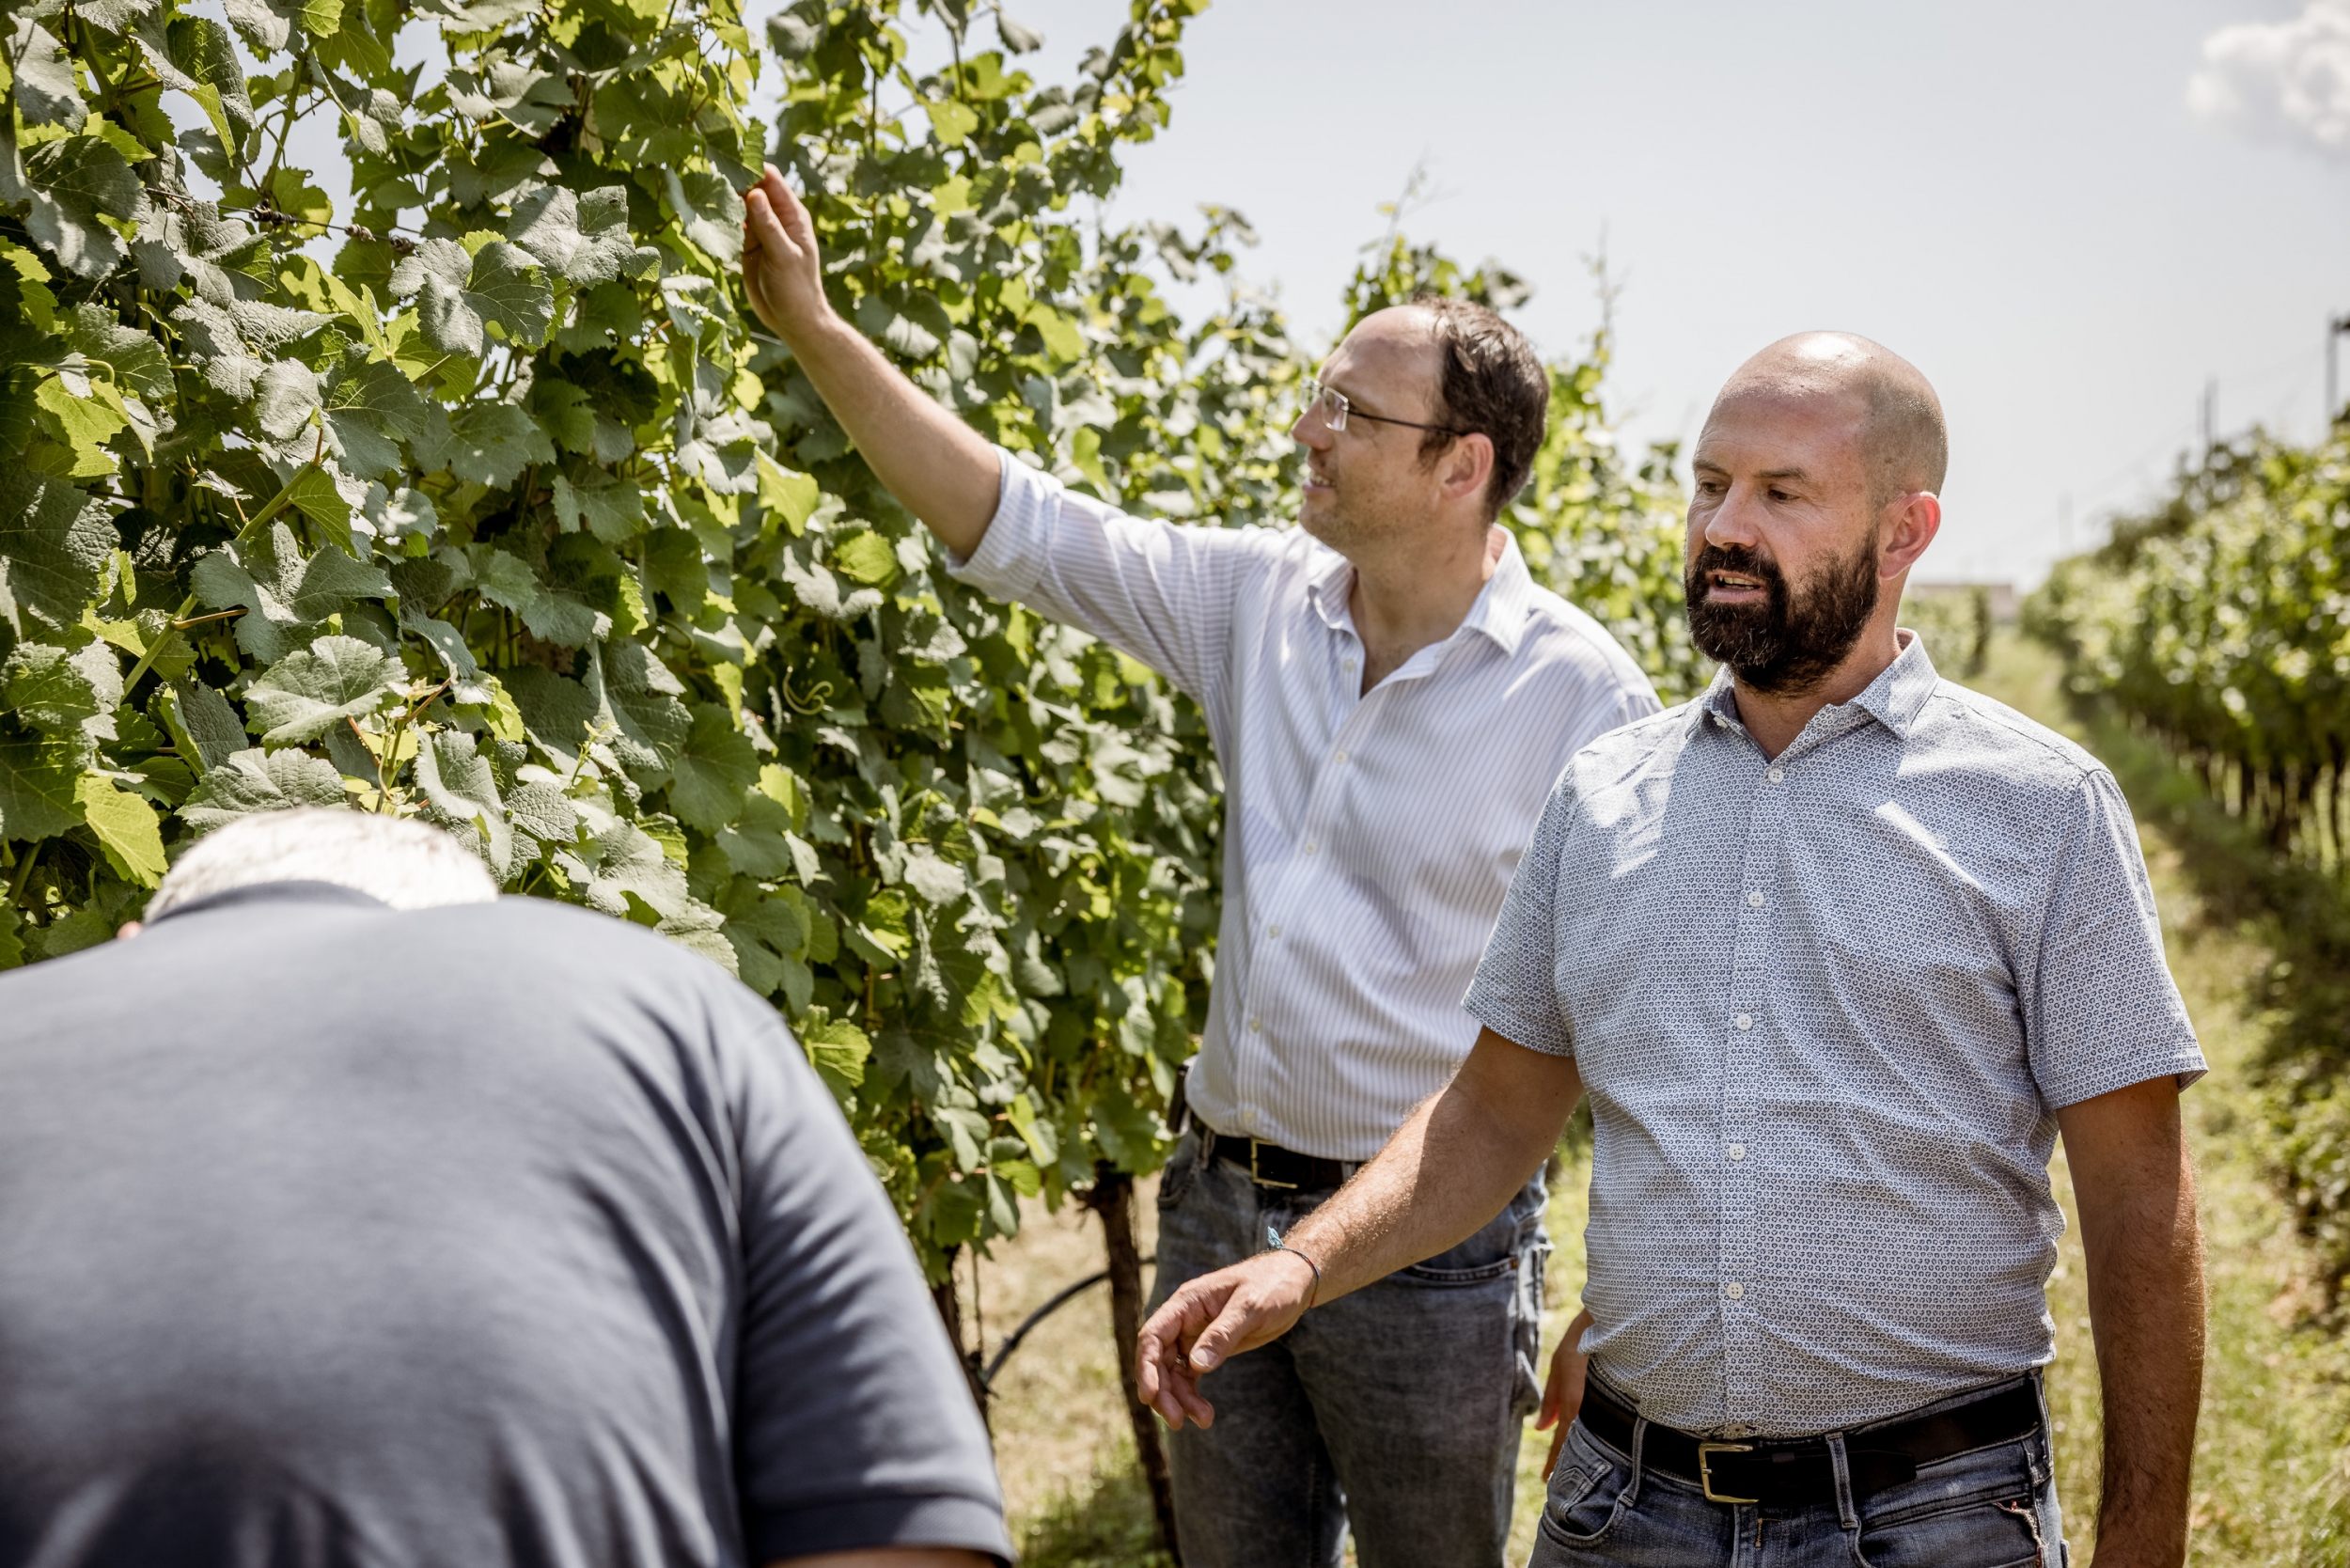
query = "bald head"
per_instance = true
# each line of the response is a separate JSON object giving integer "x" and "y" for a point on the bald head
{"x": 1902, "y": 440}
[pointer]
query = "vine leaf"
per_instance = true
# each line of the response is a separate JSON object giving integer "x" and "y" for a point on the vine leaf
{"x": 583, "y": 238}
{"x": 54, "y": 542}
{"x": 255, "y": 781}
{"x": 456, "y": 778}
{"x": 45, "y": 92}
{"x": 313, "y": 689}
{"x": 38, "y": 779}
{"x": 713, "y": 770}
{"x": 125, "y": 827}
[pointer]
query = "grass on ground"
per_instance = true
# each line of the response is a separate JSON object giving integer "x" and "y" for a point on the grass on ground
{"x": 2272, "y": 1481}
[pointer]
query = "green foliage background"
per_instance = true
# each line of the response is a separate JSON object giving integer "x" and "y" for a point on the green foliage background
{"x": 486, "y": 501}
{"x": 2218, "y": 624}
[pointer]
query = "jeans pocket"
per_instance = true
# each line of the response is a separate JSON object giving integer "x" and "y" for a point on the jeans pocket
{"x": 1585, "y": 1494}
{"x": 1979, "y": 1533}
{"x": 1180, "y": 1170}
{"x": 1526, "y": 1330}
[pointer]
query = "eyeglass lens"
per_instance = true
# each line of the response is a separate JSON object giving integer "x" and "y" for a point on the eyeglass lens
{"x": 1331, "y": 404}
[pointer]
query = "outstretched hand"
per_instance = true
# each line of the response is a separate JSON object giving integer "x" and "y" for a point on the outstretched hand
{"x": 781, "y": 271}
{"x": 1562, "y": 1394}
{"x": 1210, "y": 1320}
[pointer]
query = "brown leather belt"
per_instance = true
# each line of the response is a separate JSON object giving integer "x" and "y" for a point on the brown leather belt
{"x": 1800, "y": 1471}
{"x": 1269, "y": 1165}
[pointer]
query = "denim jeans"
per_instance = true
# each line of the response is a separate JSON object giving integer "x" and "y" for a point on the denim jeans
{"x": 1993, "y": 1507}
{"x": 1395, "y": 1410}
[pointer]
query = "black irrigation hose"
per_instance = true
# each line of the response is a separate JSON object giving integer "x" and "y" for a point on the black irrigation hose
{"x": 1063, "y": 1298}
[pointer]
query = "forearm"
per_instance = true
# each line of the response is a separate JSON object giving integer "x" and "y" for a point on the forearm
{"x": 2135, "y": 1190}
{"x": 1446, "y": 1174}
{"x": 939, "y": 467}
{"x": 2146, "y": 1306}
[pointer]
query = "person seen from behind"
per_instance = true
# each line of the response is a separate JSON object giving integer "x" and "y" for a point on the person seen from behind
{"x": 1838, "y": 951}
{"x": 1390, "y": 696}
{"x": 353, "y": 1215}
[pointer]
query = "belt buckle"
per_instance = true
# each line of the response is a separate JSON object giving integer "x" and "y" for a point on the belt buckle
{"x": 1705, "y": 1469}
{"x": 1260, "y": 1181}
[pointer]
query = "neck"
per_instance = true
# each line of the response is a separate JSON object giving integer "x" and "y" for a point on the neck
{"x": 1402, "y": 601}
{"x": 1776, "y": 718}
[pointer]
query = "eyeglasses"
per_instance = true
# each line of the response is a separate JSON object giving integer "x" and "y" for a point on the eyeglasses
{"x": 1334, "y": 409}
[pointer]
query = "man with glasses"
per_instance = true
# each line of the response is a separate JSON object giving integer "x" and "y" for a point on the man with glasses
{"x": 1391, "y": 698}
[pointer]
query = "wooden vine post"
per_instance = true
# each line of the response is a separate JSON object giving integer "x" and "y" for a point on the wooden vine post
{"x": 1113, "y": 1199}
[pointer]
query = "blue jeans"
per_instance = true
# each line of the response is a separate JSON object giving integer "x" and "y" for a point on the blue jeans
{"x": 1991, "y": 1508}
{"x": 1395, "y": 1410}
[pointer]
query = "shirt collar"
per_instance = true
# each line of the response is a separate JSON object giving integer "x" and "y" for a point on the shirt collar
{"x": 273, "y": 892}
{"x": 1894, "y": 698}
{"x": 1499, "y": 612}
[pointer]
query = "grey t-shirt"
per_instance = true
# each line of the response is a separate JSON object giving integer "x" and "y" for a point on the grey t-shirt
{"x": 496, "y": 1234}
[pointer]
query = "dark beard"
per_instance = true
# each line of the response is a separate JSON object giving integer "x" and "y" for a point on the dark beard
{"x": 1782, "y": 648}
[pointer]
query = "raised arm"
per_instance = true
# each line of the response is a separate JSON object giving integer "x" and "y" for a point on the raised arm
{"x": 934, "y": 463}
{"x": 1445, "y": 1173}
{"x": 2136, "y": 1187}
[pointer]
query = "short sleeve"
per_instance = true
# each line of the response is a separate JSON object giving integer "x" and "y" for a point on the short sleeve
{"x": 2102, "y": 1012}
{"x": 855, "y": 1428}
{"x": 1516, "y": 992}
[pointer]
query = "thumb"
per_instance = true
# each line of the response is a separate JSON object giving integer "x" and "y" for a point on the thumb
{"x": 1222, "y": 1338}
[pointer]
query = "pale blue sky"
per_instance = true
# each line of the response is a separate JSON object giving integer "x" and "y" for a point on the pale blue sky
{"x": 2011, "y": 193}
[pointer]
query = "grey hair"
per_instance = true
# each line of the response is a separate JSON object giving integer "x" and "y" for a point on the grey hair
{"x": 406, "y": 864}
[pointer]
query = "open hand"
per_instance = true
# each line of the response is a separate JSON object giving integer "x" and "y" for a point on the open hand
{"x": 1210, "y": 1320}
{"x": 1563, "y": 1395}
{"x": 781, "y": 271}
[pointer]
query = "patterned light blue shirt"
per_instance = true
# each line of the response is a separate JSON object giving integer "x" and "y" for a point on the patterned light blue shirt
{"x": 1826, "y": 1007}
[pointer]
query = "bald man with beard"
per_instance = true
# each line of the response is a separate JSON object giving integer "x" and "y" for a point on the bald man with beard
{"x": 1838, "y": 951}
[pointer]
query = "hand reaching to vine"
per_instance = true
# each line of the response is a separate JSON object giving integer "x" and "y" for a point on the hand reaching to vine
{"x": 782, "y": 270}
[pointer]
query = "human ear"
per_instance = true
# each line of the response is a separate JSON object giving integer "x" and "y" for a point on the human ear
{"x": 1469, "y": 466}
{"x": 1913, "y": 522}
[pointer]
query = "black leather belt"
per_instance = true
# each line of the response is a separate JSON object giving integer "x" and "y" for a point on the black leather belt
{"x": 1800, "y": 1471}
{"x": 1269, "y": 1165}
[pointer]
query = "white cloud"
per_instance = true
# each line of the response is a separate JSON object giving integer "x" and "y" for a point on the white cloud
{"x": 2280, "y": 81}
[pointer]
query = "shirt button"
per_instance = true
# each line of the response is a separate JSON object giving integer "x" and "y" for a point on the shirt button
{"x": 1776, "y": 774}
{"x": 1350, "y": 664}
{"x": 1737, "y": 1150}
{"x": 1338, "y": 757}
{"x": 1256, "y": 1026}
{"x": 1311, "y": 846}
{"x": 1745, "y": 1021}
{"x": 1734, "y": 1290}
{"x": 1251, "y": 1118}
{"x": 1274, "y": 932}
{"x": 1754, "y": 901}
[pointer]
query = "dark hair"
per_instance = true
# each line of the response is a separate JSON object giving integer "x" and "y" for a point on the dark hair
{"x": 1491, "y": 385}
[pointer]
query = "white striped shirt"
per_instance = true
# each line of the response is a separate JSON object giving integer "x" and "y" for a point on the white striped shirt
{"x": 1369, "y": 839}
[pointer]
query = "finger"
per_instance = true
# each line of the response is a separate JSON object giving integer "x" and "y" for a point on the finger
{"x": 1222, "y": 1338}
{"x": 1558, "y": 1441}
{"x": 759, "y": 221}
{"x": 1549, "y": 1412}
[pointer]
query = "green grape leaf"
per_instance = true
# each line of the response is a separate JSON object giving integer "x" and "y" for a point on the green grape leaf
{"x": 437, "y": 275}
{"x": 456, "y": 778}
{"x": 314, "y": 689}
{"x": 127, "y": 831}
{"x": 49, "y": 688}
{"x": 583, "y": 239}
{"x": 54, "y": 540}
{"x": 711, "y": 771}
{"x": 709, "y": 210}
{"x": 37, "y": 781}
{"x": 510, "y": 289}
{"x": 612, "y": 508}
{"x": 255, "y": 781}
{"x": 44, "y": 90}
